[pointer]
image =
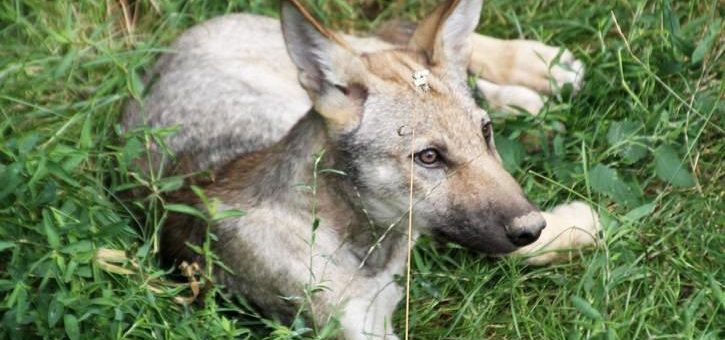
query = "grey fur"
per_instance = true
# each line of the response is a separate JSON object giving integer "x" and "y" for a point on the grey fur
{"x": 231, "y": 87}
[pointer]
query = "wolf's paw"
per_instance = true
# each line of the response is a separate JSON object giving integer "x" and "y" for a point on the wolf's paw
{"x": 582, "y": 219}
{"x": 545, "y": 68}
{"x": 569, "y": 227}
{"x": 510, "y": 97}
{"x": 567, "y": 70}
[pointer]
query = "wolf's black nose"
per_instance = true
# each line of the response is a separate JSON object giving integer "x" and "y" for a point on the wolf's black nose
{"x": 524, "y": 237}
{"x": 526, "y": 229}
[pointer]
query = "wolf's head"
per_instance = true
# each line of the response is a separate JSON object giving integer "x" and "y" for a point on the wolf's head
{"x": 382, "y": 123}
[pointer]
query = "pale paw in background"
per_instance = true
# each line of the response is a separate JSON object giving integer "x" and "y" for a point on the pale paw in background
{"x": 545, "y": 69}
{"x": 511, "y": 97}
{"x": 524, "y": 75}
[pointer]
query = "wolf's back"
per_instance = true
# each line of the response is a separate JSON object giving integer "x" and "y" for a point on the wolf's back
{"x": 228, "y": 85}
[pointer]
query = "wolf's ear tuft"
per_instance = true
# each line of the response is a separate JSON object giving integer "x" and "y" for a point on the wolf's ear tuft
{"x": 444, "y": 34}
{"x": 330, "y": 72}
{"x": 315, "y": 51}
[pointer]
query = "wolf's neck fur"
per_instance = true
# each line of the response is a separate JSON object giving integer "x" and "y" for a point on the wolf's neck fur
{"x": 282, "y": 174}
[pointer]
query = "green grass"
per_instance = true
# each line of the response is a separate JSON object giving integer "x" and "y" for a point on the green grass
{"x": 643, "y": 141}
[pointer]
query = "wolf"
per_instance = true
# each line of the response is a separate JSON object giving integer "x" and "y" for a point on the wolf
{"x": 319, "y": 137}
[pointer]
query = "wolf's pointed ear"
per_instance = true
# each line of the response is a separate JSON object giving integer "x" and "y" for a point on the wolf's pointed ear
{"x": 443, "y": 35}
{"x": 329, "y": 70}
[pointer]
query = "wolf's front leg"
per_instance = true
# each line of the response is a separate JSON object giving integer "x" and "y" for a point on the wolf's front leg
{"x": 521, "y": 68}
{"x": 362, "y": 304}
{"x": 369, "y": 315}
{"x": 569, "y": 227}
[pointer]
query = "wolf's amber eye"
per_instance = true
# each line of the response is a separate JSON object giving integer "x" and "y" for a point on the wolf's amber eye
{"x": 487, "y": 129}
{"x": 428, "y": 157}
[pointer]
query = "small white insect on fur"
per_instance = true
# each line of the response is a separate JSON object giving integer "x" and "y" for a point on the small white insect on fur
{"x": 420, "y": 79}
